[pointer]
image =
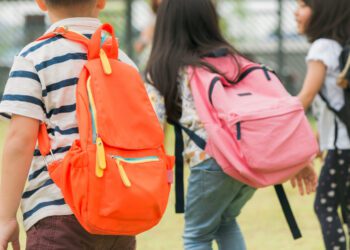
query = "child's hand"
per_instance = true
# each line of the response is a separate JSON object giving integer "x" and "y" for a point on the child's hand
{"x": 306, "y": 180}
{"x": 9, "y": 233}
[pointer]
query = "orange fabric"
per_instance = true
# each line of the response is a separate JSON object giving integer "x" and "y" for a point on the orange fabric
{"x": 67, "y": 34}
{"x": 129, "y": 130}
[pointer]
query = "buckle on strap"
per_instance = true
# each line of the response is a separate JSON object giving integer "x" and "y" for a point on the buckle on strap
{"x": 53, "y": 157}
{"x": 61, "y": 30}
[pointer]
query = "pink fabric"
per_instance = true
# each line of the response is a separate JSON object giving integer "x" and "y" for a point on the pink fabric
{"x": 276, "y": 138}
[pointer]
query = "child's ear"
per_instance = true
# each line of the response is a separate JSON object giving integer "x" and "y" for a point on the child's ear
{"x": 41, "y": 4}
{"x": 100, "y": 4}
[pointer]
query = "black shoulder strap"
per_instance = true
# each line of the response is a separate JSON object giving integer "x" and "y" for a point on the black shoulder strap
{"x": 179, "y": 162}
{"x": 344, "y": 61}
{"x": 336, "y": 113}
{"x": 287, "y": 211}
{"x": 327, "y": 102}
{"x": 179, "y": 171}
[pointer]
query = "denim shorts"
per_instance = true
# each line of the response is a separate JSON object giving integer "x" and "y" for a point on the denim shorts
{"x": 65, "y": 233}
{"x": 209, "y": 185}
{"x": 213, "y": 200}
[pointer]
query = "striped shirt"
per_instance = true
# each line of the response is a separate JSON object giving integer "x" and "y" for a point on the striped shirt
{"x": 42, "y": 85}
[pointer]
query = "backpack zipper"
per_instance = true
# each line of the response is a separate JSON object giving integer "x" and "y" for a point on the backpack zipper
{"x": 100, "y": 151}
{"x": 249, "y": 70}
{"x": 123, "y": 175}
{"x": 240, "y": 78}
{"x": 239, "y": 133}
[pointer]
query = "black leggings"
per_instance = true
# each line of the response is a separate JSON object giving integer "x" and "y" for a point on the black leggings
{"x": 333, "y": 192}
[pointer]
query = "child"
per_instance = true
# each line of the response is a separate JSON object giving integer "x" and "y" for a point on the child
{"x": 41, "y": 87}
{"x": 143, "y": 43}
{"x": 186, "y": 31}
{"x": 327, "y": 26}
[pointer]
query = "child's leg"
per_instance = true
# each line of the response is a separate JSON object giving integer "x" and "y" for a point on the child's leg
{"x": 346, "y": 202}
{"x": 328, "y": 199}
{"x": 115, "y": 243}
{"x": 229, "y": 233}
{"x": 65, "y": 232}
{"x": 210, "y": 193}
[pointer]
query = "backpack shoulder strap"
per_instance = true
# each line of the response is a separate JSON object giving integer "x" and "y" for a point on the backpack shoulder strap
{"x": 323, "y": 97}
{"x": 95, "y": 45}
{"x": 68, "y": 34}
{"x": 179, "y": 170}
{"x": 288, "y": 213}
{"x": 179, "y": 162}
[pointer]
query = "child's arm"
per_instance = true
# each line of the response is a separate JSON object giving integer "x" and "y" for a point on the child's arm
{"x": 315, "y": 76}
{"x": 17, "y": 156}
{"x": 306, "y": 179}
{"x": 145, "y": 38}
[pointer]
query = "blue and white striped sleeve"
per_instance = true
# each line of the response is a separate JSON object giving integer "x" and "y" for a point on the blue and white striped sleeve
{"x": 23, "y": 92}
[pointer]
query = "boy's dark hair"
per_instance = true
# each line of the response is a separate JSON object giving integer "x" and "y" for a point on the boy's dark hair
{"x": 59, "y": 3}
{"x": 330, "y": 19}
{"x": 185, "y": 31}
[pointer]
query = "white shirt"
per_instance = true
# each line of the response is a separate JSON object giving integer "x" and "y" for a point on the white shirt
{"x": 42, "y": 85}
{"x": 328, "y": 51}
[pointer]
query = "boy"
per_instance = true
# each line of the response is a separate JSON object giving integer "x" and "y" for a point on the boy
{"x": 41, "y": 87}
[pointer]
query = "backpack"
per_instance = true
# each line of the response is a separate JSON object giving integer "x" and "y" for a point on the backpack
{"x": 116, "y": 177}
{"x": 257, "y": 132}
{"x": 343, "y": 81}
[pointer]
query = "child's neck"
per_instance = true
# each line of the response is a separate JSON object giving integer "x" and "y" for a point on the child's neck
{"x": 56, "y": 16}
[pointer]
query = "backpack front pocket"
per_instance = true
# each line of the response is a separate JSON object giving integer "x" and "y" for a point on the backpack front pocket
{"x": 132, "y": 188}
{"x": 277, "y": 142}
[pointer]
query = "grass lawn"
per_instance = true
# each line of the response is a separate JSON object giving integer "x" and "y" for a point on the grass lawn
{"x": 262, "y": 223}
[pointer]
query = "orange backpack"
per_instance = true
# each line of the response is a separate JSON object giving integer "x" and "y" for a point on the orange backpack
{"x": 116, "y": 178}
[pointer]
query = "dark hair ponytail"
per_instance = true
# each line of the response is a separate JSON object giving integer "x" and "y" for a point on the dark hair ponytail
{"x": 185, "y": 31}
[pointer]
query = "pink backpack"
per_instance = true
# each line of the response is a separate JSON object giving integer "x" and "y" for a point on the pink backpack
{"x": 256, "y": 131}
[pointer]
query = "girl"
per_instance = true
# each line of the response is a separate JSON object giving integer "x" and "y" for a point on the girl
{"x": 186, "y": 31}
{"x": 327, "y": 26}
{"x": 143, "y": 44}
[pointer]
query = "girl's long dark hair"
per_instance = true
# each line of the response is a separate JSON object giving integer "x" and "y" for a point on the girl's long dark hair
{"x": 330, "y": 19}
{"x": 185, "y": 31}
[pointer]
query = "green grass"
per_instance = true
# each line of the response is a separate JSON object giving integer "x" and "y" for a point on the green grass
{"x": 262, "y": 223}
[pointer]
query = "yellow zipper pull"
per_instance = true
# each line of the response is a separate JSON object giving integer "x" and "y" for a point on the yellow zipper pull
{"x": 98, "y": 170}
{"x": 100, "y": 158}
{"x": 100, "y": 154}
{"x": 105, "y": 62}
{"x": 122, "y": 173}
